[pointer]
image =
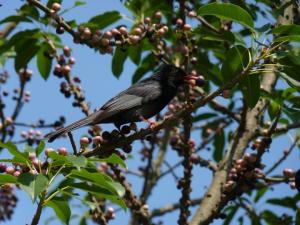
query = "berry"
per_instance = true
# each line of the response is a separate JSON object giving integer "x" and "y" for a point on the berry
{"x": 179, "y": 22}
{"x": 72, "y": 61}
{"x": 62, "y": 151}
{"x": 137, "y": 31}
{"x": 125, "y": 129}
{"x": 97, "y": 140}
{"x": 195, "y": 158}
{"x": 134, "y": 39}
{"x": 226, "y": 93}
{"x": 127, "y": 148}
{"x": 200, "y": 81}
{"x": 10, "y": 169}
{"x": 84, "y": 141}
{"x": 104, "y": 42}
{"x": 288, "y": 173}
{"x": 106, "y": 135}
{"x": 32, "y": 156}
{"x": 56, "y": 7}
{"x": 66, "y": 69}
{"x": 192, "y": 14}
{"x": 187, "y": 27}
{"x": 67, "y": 51}
{"x": 2, "y": 167}
{"x": 147, "y": 20}
{"x": 60, "y": 30}
{"x": 108, "y": 34}
{"x": 123, "y": 30}
{"x": 16, "y": 173}
{"x": 48, "y": 150}
{"x": 158, "y": 15}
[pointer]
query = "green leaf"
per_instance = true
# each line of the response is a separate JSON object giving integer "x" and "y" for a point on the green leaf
{"x": 204, "y": 116}
{"x": 287, "y": 202}
{"x": 100, "y": 192}
{"x": 227, "y": 11}
{"x": 235, "y": 61}
{"x": 44, "y": 62}
{"x": 40, "y": 148}
{"x": 61, "y": 209}
{"x": 298, "y": 216}
{"x": 148, "y": 63}
{"x": 77, "y": 161}
{"x": 134, "y": 53}
{"x": 273, "y": 109}
{"x": 219, "y": 142}
{"x": 250, "y": 86}
{"x": 25, "y": 53}
{"x": 287, "y": 30}
{"x": 113, "y": 159}
{"x": 103, "y": 20}
{"x": 7, "y": 179}
{"x": 18, "y": 156}
{"x": 79, "y": 3}
{"x": 291, "y": 38}
{"x": 98, "y": 179}
{"x": 33, "y": 184}
{"x": 270, "y": 217}
{"x": 260, "y": 193}
{"x": 291, "y": 81}
{"x": 15, "y": 19}
{"x": 231, "y": 211}
{"x": 118, "y": 60}
{"x": 293, "y": 114}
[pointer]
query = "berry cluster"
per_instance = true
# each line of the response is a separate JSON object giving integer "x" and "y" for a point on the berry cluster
{"x": 32, "y": 136}
{"x": 8, "y": 201}
{"x": 243, "y": 175}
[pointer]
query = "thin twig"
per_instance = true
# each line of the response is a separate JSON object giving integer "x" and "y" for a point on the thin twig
{"x": 284, "y": 156}
{"x": 72, "y": 143}
{"x": 38, "y": 212}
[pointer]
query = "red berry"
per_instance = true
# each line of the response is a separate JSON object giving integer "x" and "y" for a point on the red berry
{"x": 179, "y": 22}
{"x": 123, "y": 30}
{"x": 195, "y": 158}
{"x": 134, "y": 39}
{"x": 137, "y": 31}
{"x": 97, "y": 140}
{"x": 10, "y": 169}
{"x": 66, "y": 69}
{"x": 72, "y": 61}
{"x": 104, "y": 42}
{"x": 108, "y": 34}
{"x": 67, "y": 51}
{"x": 62, "y": 151}
{"x": 84, "y": 141}
{"x": 16, "y": 173}
{"x": 187, "y": 27}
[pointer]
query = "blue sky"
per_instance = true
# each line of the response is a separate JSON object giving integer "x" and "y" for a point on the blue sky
{"x": 100, "y": 85}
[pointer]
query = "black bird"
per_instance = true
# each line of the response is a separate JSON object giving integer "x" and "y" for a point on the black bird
{"x": 139, "y": 102}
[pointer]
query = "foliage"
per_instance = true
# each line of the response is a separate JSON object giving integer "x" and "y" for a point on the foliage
{"x": 244, "y": 52}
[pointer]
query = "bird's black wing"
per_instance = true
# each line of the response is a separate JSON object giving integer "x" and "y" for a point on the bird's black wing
{"x": 134, "y": 96}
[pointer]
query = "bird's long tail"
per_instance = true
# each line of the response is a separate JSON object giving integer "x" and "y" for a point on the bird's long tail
{"x": 80, "y": 123}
